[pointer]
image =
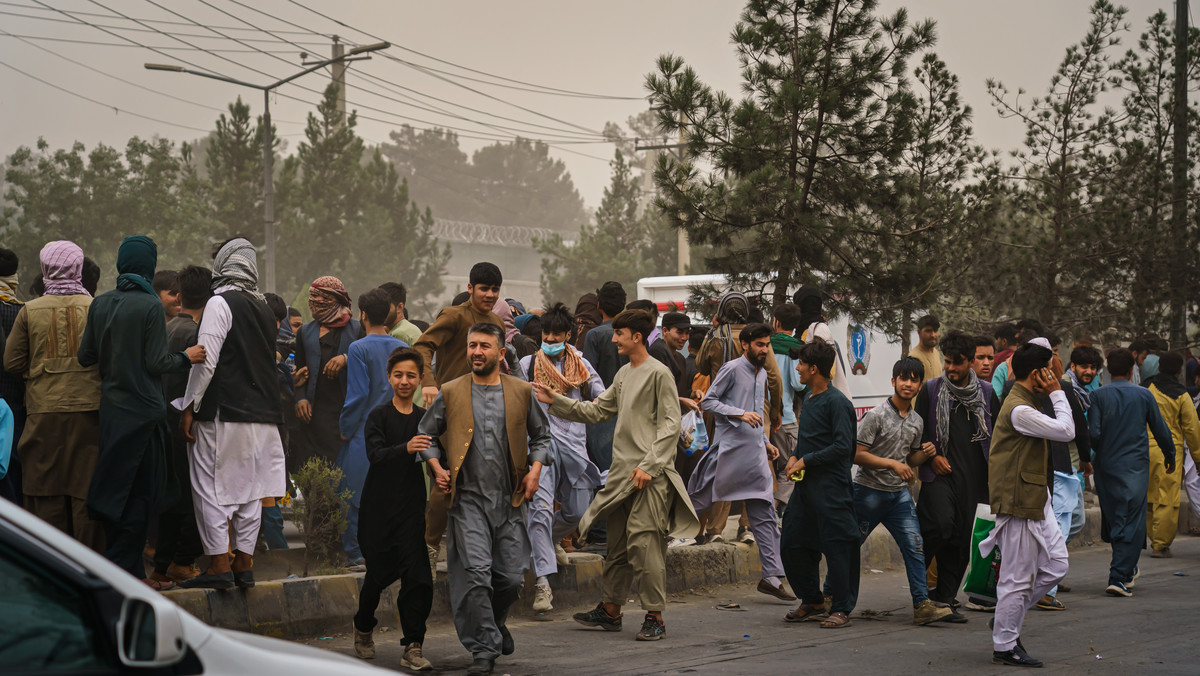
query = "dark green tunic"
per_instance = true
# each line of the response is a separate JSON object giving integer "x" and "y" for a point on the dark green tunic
{"x": 126, "y": 335}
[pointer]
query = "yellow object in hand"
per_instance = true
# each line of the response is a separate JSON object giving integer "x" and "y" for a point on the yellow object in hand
{"x": 797, "y": 476}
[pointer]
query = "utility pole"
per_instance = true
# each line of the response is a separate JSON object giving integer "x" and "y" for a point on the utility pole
{"x": 685, "y": 249}
{"x": 339, "y": 75}
{"x": 1178, "y": 309}
{"x": 357, "y": 54}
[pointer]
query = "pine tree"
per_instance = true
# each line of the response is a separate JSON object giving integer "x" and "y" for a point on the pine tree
{"x": 781, "y": 178}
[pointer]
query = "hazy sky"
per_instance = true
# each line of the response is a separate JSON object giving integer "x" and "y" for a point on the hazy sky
{"x": 596, "y": 47}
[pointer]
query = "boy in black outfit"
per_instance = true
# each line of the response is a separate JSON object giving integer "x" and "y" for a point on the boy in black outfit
{"x": 391, "y": 525}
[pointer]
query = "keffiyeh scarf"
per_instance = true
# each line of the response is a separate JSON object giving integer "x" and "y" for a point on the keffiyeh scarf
{"x": 62, "y": 269}
{"x": 329, "y": 302}
{"x": 236, "y": 264}
{"x": 969, "y": 395}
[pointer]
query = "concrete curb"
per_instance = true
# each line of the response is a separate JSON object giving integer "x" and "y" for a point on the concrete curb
{"x": 323, "y": 605}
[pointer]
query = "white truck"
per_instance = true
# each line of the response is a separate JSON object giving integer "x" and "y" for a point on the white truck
{"x": 868, "y": 354}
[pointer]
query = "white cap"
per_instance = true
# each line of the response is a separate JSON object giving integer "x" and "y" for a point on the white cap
{"x": 1042, "y": 342}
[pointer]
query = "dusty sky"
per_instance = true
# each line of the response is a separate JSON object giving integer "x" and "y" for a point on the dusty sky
{"x": 596, "y": 47}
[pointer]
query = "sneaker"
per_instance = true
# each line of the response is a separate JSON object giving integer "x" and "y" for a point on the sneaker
{"x": 596, "y": 617}
{"x": 1136, "y": 574}
{"x": 543, "y": 599}
{"x": 364, "y": 644}
{"x": 1048, "y": 602}
{"x": 560, "y": 555}
{"x": 414, "y": 659}
{"x": 927, "y": 611}
{"x": 745, "y": 536}
{"x": 652, "y": 629}
{"x": 680, "y": 542}
{"x": 701, "y": 539}
{"x": 1017, "y": 657}
{"x": 715, "y": 537}
{"x": 1164, "y": 553}
{"x": 778, "y": 592}
{"x": 954, "y": 617}
{"x": 1118, "y": 589}
{"x": 979, "y": 605}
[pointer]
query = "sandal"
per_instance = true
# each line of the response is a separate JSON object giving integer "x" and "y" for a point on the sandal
{"x": 159, "y": 585}
{"x": 805, "y": 612}
{"x": 836, "y": 621}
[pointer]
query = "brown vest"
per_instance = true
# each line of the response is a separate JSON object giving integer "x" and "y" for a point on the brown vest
{"x": 460, "y": 428}
{"x": 1018, "y": 465}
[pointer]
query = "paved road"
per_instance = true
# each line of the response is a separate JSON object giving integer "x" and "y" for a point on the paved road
{"x": 1156, "y": 631}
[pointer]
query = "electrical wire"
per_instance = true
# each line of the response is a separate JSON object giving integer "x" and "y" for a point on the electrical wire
{"x": 139, "y": 29}
{"x": 100, "y": 103}
{"x": 548, "y": 90}
{"x": 154, "y": 21}
{"x": 128, "y": 82}
{"x": 599, "y": 137}
{"x": 97, "y": 43}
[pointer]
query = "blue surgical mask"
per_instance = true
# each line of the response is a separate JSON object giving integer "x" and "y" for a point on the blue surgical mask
{"x": 553, "y": 349}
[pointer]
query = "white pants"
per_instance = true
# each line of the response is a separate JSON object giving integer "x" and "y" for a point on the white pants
{"x": 546, "y": 526}
{"x": 222, "y": 494}
{"x": 1033, "y": 559}
{"x": 1191, "y": 483}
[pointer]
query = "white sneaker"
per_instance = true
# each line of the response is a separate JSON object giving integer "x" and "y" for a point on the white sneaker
{"x": 746, "y": 537}
{"x": 716, "y": 538}
{"x": 543, "y": 599}
{"x": 680, "y": 542}
{"x": 560, "y": 555}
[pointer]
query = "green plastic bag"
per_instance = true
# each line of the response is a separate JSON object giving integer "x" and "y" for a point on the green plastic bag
{"x": 983, "y": 571}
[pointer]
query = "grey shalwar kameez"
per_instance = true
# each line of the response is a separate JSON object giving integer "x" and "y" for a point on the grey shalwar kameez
{"x": 736, "y": 465}
{"x": 487, "y": 548}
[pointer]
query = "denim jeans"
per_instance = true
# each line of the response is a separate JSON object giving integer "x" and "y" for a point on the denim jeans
{"x": 272, "y": 528}
{"x": 898, "y": 514}
{"x": 1067, "y": 496}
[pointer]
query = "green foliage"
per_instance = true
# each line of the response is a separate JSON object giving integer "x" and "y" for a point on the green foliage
{"x": 622, "y": 245}
{"x": 784, "y": 181}
{"x": 514, "y": 184}
{"x": 321, "y": 514}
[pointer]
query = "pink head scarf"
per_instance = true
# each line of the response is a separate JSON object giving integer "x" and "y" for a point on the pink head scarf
{"x": 503, "y": 311}
{"x": 62, "y": 269}
{"x": 329, "y": 302}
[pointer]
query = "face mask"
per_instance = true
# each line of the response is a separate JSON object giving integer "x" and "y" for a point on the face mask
{"x": 553, "y": 349}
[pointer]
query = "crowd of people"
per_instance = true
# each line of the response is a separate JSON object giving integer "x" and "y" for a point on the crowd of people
{"x": 164, "y": 417}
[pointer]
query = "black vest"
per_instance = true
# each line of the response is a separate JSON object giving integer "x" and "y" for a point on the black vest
{"x": 245, "y": 386}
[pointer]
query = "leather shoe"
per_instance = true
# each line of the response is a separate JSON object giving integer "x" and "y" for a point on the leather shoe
{"x": 507, "y": 645}
{"x": 778, "y": 592}
{"x": 244, "y": 579}
{"x": 481, "y": 666}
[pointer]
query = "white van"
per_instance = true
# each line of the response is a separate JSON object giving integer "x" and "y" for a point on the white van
{"x": 869, "y": 354}
{"x": 66, "y": 609}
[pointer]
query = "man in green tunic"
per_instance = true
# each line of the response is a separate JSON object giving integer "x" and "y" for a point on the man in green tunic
{"x": 126, "y": 335}
{"x": 644, "y": 499}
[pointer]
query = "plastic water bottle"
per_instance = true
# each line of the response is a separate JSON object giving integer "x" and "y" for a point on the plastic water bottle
{"x": 699, "y": 438}
{"x": 290, "y": 362}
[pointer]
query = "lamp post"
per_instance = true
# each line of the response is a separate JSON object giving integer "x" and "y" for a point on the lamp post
{"x": 354, "y": 54}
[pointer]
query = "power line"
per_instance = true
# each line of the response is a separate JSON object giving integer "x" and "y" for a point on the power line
{"x": 100, "y": 103}
{"x": 154, "y": 21}
{"x": 136, "y": 29}
{"x": 123, "y": 80}
{"x": 97, "y": 43}
{"x": 390, "y": 86}
{"x": 378, "y": 80}
{"x": 548, "y": 90}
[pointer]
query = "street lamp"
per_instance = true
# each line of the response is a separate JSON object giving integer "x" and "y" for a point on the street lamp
{"x": 354, "y": 54}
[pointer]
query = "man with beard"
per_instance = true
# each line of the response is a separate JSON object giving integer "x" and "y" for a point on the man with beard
{"x": 738, "y": 464}
{"x": 958, "y": 408}
{"x": 494, "y": 439}
{"x": 444, "y": 343}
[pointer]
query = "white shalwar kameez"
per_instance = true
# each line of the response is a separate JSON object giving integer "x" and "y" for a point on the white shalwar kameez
{"x": 233, "y": 465}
